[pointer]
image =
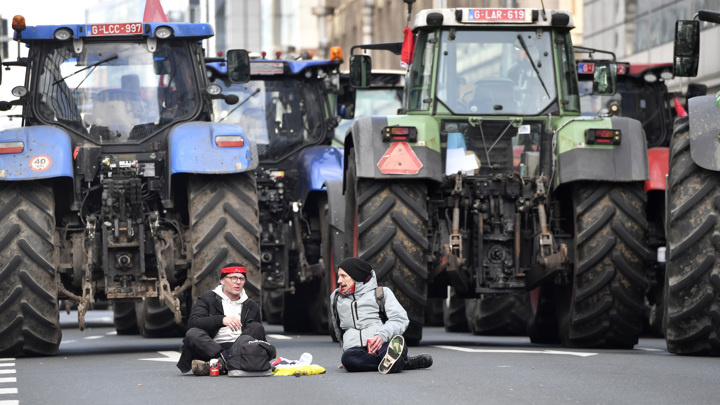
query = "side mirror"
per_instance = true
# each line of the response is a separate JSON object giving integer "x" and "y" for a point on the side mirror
{"x": 604, "y": 78}
{"x": 686, "y": 49}
{"x": 360, "y": 71}
{"x": 238, "y": 65}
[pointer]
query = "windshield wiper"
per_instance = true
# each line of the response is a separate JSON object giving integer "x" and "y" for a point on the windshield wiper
{"x": 532, "y": 62}
{"x": 98, "y": 63}
{"x": 240, "y": 105}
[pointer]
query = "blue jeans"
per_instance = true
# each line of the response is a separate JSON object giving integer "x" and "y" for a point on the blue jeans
{"x": 358, "y": 359}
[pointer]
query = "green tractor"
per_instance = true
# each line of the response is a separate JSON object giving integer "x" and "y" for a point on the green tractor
{"x": 692, "y": 276}
{"x": 490, "y": 181}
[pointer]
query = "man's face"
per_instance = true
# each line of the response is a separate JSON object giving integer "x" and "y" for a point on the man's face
{"x": 344, "y": 281}
{"x": 233, "y": 284}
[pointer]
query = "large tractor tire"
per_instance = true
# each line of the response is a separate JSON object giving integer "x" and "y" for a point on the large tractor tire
{"x": 29, "y": 306}
{"x": 505, "y": 315}
{"x": 225, "y": 227}
{"x": 156, "y": 320}
{"x": 692, "y": 289}
{"x": 273, "y": 303}
{"x": 607, "y": 303}
{"x": 389, "y": 219}
{"x": 543, "y": 325}
{"x": 455, "y": 317}
{"x": 125, "y": 318}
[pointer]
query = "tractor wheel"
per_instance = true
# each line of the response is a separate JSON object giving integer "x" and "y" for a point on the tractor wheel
{"x": 319, "y": 299}
{"x": 225, "y": 227}
{"x": 156, "y": 320}
{"x": 455, "y": 317}
{"x": 29, "y": 306}
{"x": 505, "y": 315}
{"x": 334, "y": 254}
{"x": 272, "y": 308}
{"x": 434, "y": 312}
{"x": 607, "y": 303}
{"x": 389, "y": 221}
{"x": 543, "y": 323}
{"x": 692, "y": 278}
{"x": 125, "y": 318}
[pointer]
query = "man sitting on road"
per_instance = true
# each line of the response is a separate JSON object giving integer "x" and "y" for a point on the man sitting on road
{"x": 216, "y": 322}
{"x": 369, "y": 343}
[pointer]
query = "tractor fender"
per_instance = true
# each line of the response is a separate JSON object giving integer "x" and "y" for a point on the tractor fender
{"x": 625, "y": 162}
{"x": 47, "y": 153}
{"x": 318, "y": 164}
{"x": 192, "y": 149}
{"x": 658, "y": 164}
{"x": 366, "y": 137}
{"x": 704, "y": 131}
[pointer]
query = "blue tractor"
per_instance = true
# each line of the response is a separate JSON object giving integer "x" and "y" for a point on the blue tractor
{"x": 288, "y": 108}
{"x": 118, "y": 185}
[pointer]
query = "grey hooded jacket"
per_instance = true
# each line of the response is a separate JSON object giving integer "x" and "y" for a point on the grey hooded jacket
{"x": 360, "y": 315}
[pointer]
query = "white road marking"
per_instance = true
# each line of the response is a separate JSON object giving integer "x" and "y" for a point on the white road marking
{"x": 10, "y": 402}
{"x": 279, "y": 337}
{"x": 8, "y": 391}
{"x": 67, "y": 341}
{"x": 93, "y": 337}
{"x": 170, "y": 357}
{"x": 8, "y": 380}
{"x": 468, "y": 350}
{"x": 649, "y": 349}
{"x": 111, "y": 333}
{"x": 7, "y": 371}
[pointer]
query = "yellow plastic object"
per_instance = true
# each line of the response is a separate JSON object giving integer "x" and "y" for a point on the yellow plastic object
{"x": 298, "y": 371}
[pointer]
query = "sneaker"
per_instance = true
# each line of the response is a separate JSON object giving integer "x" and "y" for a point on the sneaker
{"x": 200, "y": 368}
{"x": 420, "y": 361}
{"x": 390, "y": 363}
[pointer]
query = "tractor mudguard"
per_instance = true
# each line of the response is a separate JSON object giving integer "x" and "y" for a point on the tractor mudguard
{"x": 704, "y": 127}
{"x": 625, "y": 162}
{"x": 318, "y": 164}
{"x": 47, "y": 153}
{"x": 658, "y": 164}
{"x": 193, "y": 149}
{"x": 370, "y": 149}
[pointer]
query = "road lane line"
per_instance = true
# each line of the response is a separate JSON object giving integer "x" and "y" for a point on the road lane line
{"x": 10, "y": 402}
{"x": 279, "y": 337}
{"x": 468, "y": 350}
{"x": 7, "y": 371}
{"x": 170, "y": 357}
{"x": 8, "y": 391}
{"x": 8, "y": 380}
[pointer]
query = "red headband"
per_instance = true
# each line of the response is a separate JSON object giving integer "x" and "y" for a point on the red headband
{"x": 233, "y": 269}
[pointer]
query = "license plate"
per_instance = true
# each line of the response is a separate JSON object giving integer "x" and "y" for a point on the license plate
{"x": 498, "y": 15}
{"x": 115, "y": 29}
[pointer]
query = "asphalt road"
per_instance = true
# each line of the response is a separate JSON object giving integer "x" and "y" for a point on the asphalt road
{"x": 96, "y": 366}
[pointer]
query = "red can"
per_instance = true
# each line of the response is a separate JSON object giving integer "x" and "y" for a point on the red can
{"x": 215, "y": 369}
{"x": 368, "y": 346}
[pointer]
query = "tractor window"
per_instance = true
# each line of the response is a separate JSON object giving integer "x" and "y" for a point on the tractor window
{"x": 420, "y": 82}
{"x": 496, "y": 72}
{"x": 280, "y": 115}
{"x": 570, "y": 94}
{"x": 116, "y": 92}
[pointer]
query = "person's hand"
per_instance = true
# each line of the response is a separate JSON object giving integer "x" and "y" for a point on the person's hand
{"x": 341, "y": 366}
{"x": 232, "y": 322}
{"x": 375, "y": 344}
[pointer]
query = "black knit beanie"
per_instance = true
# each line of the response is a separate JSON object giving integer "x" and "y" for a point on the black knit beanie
{"x": 359, "y": 270}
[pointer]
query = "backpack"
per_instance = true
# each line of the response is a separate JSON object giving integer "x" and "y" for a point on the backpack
{"x": 250, "y": 354}
{"x": 379, "y": 297}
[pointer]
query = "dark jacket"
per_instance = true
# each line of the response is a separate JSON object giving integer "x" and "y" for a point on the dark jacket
{"x": 207, "y": 313}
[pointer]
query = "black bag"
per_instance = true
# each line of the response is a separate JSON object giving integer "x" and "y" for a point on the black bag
{"x": 250, "y": 354}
